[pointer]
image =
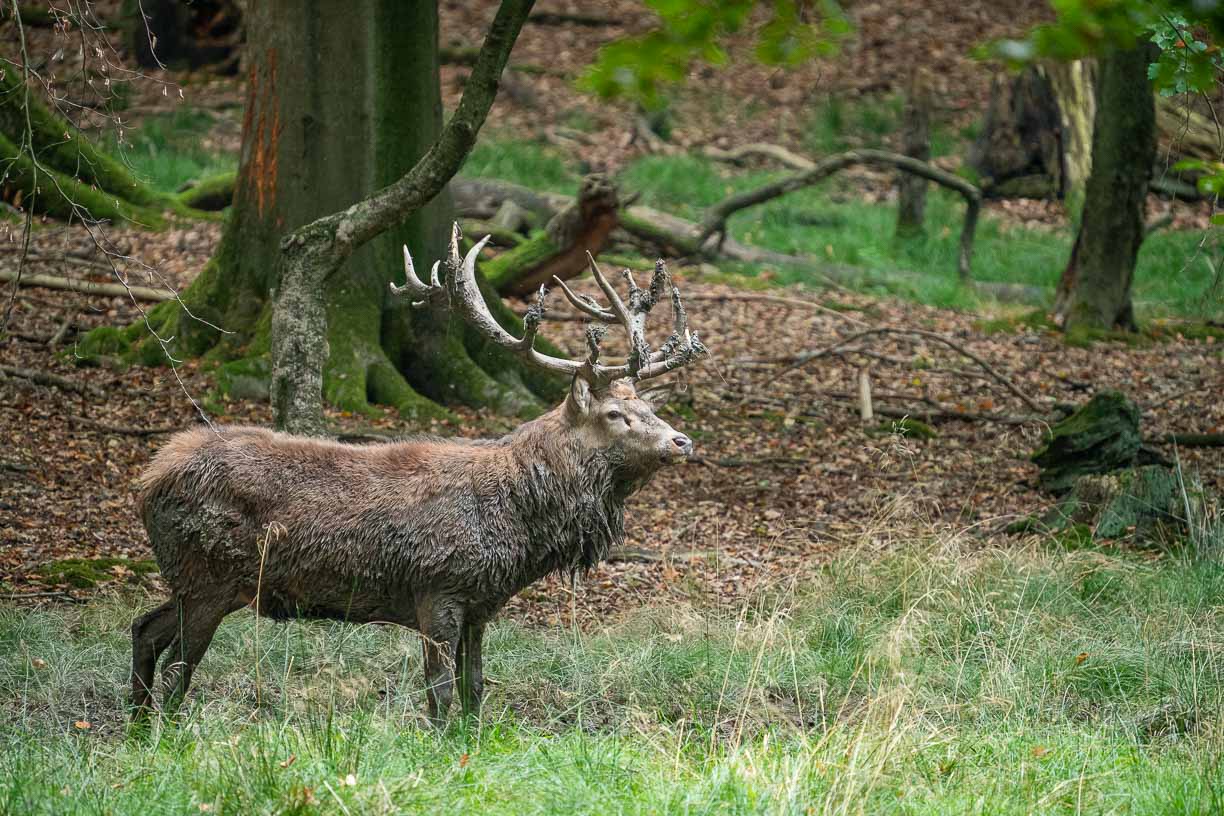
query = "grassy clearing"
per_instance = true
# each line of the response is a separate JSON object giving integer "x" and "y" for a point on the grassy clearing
{"x": 941, "y": 679}
{"x": 165, "y": 151}
{"x": 1175, "y": 275}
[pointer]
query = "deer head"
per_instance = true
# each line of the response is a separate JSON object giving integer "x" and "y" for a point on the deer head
{"x": 603, "y": 407}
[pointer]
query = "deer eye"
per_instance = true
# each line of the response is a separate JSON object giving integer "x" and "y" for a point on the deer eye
{"x": 614, "y": 415}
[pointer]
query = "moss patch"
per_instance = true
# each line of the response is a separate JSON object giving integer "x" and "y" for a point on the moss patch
{"x": 908, "y": 427}
{"x": 1087, "y": 336}
{"x": 86, "y": 573}
{"x": 507, "y": 267}
{"x": 1100, "y": 437}
{"x": 1035, "y": 320}
{"x": 248, "y": 378}
{"x": 211, "y": 194}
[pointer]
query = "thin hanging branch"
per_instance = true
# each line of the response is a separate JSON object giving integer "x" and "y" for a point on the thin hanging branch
{"x": 715, "y": 222}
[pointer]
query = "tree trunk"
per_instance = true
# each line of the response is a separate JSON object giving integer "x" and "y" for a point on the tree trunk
{"x": 1095, "y": 290}
{"x": 1074, "y": 89}
{"x": 322, "y": 133}
{"x": 916, "y": 143}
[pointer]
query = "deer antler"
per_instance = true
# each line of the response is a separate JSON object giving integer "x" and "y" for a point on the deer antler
{"x": 679, "y": 349}
{"x": 461, "y": 293}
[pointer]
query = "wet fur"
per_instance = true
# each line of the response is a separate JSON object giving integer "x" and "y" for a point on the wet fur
{"x": 433, "y": 534}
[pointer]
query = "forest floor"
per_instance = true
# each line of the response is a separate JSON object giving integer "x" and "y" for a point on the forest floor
{"x": 787, "y": 472}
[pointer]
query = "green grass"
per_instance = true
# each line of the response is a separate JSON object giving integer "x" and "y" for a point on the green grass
{"x": 531, "y": 164}
{"x": 836, "y": 125}
{"x": 830, "y": 221}
{"x": 165, "y": 150}
{"x": 941, "y": 679}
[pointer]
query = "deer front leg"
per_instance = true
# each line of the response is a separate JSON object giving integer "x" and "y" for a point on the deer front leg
{"x": 471, "y": 670}
{"x": 440, "y": 633}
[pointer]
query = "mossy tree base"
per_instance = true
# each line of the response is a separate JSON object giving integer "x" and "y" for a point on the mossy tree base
{"x": 374, "y": 356}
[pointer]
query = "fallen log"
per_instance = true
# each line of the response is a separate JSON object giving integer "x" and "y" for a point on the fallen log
{"x": 1195, "y": 440}
{"x": 740, "y": 155}
{"x": 88, "y": 287}
{"x": 560, "y": 251}
{"x": 53, "y": 380}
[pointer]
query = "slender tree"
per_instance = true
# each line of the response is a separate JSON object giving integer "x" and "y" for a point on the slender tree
{"x": 1095, "y": 290}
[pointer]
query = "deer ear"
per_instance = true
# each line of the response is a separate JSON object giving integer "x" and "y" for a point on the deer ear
{"x": 580, "y": 395}
{"x": 658, "y": 396}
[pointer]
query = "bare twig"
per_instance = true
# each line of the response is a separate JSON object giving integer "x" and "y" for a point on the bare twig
{"x": 777, "y": 300}
{"x": 808, "y": 357}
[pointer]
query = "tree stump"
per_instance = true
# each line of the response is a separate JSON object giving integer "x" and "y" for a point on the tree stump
{"x": 1101, "y": 437}
{"x": 1108, "y": 487}
{"x": 1019, "y": 151}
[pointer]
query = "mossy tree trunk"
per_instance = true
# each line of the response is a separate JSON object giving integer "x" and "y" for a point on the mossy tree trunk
{"x": 1095, "y": 290}
{"x": 342, "y": 100}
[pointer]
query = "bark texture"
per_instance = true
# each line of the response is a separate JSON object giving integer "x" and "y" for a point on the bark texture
{"x": 413, "y": 159}
{"x": 915, "y": 143}
{"x": 343, "y": 162}
{"x": 1018, "y": 153}
{"x": 1095, "y": 290}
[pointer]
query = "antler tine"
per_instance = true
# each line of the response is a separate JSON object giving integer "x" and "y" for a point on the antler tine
{"x": 585, "y": 304}
{"x": 627, "y": 274}
{"x": 531, "y": 320}
{"x": 618, "y": 305}
{"x": 413, "y": 286}
{"x": 467, "y": 300}
{"x": 682, "y": 347}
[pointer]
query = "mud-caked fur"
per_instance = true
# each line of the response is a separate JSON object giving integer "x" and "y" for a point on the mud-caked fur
{"x": 429, "y": 533}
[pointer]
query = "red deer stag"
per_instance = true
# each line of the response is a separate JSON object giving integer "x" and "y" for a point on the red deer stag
{"x": 435, "y": 534}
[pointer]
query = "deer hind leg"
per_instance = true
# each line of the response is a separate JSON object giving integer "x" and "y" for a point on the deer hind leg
{"x": 440, "y": 631}
{"x": 196, "y": 624}
{"x": 471, "y": 669}
{"x": 151, "y": 634}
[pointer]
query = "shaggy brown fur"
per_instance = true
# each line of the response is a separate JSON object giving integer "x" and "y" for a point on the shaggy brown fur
{"x": 433, "y": 534}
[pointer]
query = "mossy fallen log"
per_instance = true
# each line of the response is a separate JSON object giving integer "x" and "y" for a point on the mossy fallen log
{"x": 210, "y": 194}
{"x": 61, "y": 196}
{"x": 561, "y": 249}
{"x": 59, "y": 146}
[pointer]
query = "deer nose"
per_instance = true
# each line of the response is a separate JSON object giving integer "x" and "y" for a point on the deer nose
{"x": 683, "y": 443}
